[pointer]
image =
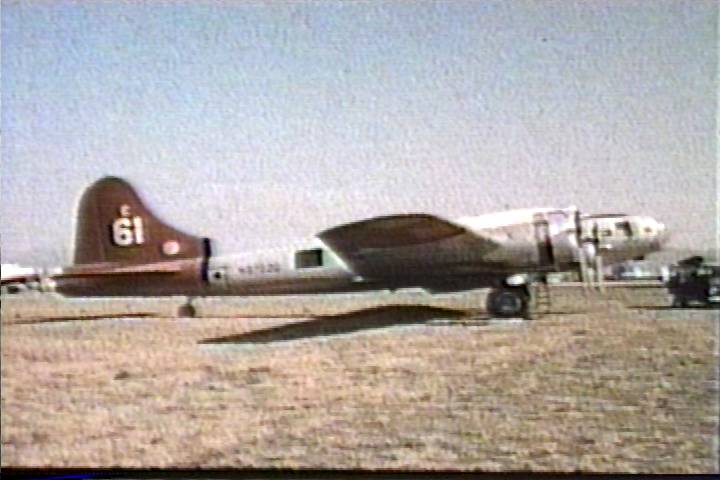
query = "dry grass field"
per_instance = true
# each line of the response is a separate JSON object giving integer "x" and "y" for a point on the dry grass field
{"x": 613, "y": 390}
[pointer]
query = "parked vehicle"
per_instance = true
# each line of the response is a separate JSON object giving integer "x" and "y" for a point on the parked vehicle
{"x": 695, "y": 282}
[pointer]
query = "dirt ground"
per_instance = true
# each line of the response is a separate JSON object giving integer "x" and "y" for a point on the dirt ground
{"x": 614, "y": 390}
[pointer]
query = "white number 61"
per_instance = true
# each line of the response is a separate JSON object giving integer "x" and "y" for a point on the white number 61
{"x": 127, "y": 232}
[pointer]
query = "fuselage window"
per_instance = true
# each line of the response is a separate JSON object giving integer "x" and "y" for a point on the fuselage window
{"x": 309, "y": 258}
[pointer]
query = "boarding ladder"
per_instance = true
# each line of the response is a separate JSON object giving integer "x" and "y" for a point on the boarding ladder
{"x": 541, "y": 299}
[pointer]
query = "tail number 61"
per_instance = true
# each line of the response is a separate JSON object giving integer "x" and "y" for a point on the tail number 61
{"x": 128, "y": 231}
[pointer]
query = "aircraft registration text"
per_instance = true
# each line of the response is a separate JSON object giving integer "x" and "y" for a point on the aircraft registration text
{"x": 271, "y": 267}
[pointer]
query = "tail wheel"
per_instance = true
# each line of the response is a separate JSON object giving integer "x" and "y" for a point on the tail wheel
{"x": 508, "y": 302}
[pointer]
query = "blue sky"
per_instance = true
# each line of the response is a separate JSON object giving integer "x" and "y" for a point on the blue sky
{"x": 257, "y": 123}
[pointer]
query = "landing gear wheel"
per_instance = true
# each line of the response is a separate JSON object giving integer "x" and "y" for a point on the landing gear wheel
{"x": 508, "y": 302}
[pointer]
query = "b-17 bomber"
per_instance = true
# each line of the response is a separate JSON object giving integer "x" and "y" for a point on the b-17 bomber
{"x": 123, "y": 249}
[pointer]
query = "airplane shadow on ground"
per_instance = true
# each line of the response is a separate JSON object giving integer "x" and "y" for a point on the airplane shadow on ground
{"x": 362, "y": 320}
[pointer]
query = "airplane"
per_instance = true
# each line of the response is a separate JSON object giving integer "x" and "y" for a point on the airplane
{"x": 123, "y": 249}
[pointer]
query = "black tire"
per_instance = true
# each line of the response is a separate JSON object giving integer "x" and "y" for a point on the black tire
{"x": 508, "y": 302}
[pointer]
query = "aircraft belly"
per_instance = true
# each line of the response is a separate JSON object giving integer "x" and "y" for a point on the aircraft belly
{"x": 296, "y": 281}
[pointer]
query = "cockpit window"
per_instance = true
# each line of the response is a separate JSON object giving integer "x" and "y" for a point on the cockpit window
{"x": 624, "y": 229}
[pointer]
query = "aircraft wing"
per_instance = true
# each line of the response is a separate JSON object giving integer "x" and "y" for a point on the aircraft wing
{"x": 409, "y": 240}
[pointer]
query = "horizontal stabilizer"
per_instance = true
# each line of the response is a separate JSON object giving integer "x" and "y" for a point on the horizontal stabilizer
{"x": 94, "y": 270}
{"x": 30, "y": 277}
{"x": 99, "y": 270}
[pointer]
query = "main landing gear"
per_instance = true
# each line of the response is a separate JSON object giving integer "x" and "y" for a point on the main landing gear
{"x": 509, "y": 301}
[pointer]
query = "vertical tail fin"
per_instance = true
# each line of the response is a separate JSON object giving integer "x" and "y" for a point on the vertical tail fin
{"x": 114, "y": 225}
